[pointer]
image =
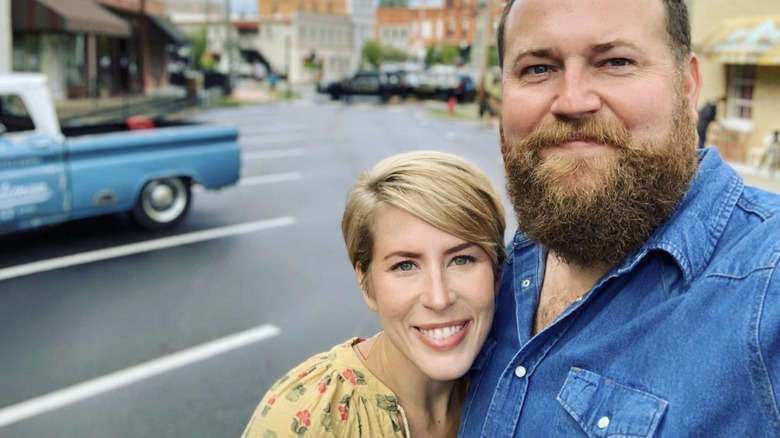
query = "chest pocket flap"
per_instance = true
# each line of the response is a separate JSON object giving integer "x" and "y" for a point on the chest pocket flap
{"x": 604, "y": 408}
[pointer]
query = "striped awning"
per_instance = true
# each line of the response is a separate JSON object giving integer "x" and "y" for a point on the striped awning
{"x": 752, "y": 40}
{"x": 70, "y": 16}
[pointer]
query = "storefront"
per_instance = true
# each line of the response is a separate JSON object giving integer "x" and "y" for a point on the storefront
{"x": 70, "y": 41}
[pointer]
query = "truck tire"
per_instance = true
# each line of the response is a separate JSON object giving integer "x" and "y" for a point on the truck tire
{"x": 162, "y": 203}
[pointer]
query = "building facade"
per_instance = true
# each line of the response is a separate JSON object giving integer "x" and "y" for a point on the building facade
{"x": 314, "y": 47}
{"x": 88, "y": 48}
{"x": 468, "y": 24}
{"x": 738, "y": 44}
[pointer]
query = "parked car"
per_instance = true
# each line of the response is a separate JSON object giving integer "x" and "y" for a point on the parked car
{"x": 368, "y": 83}
{"x": 145, "y": 167}
{"x": 443, "y": 82}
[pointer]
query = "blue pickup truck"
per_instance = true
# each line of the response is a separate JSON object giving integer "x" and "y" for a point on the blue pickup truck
{"x": 50, "y": 174}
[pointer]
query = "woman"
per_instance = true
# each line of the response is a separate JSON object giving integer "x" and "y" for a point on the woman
{"x": 424, "y": 233}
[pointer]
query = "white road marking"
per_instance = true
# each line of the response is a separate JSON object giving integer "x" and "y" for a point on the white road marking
{"x": 110, "y": 382}
{"x": 140, "y": 247}
{"x": 274, "y": 153}
{"x": 267, "y": 179}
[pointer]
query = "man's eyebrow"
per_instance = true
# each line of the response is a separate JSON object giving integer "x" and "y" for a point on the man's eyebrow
{"x": 606, "y": 47}
{"x": 541, "y": 52}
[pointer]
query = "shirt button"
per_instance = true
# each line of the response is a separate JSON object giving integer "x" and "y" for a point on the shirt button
{"x": 603, "y": 422}
{"x": 526, "y": 283}
{"x": 520, "y": 372}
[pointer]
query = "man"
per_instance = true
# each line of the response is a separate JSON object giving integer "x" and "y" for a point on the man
{"x": 707, "y": 115}
{"x": 640, "y": 297}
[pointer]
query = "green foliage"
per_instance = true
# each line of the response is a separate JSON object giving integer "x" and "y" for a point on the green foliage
{"x": 198, "y": 43}
{"x": 393, "y": 3}
{"x": 442, "y": 54}
{"x": 372, "y": 53}
{"x": 449, "y": 54}
{"x": 493, "y": 57}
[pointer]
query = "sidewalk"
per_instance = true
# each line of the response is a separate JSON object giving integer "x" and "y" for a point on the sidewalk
{"x": 170, "y": 102}
{"x": 758, "y": 179}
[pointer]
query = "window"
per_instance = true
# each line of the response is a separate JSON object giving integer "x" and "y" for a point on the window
{"x": 741, "y": 82}
{"x": 14, "y": 115}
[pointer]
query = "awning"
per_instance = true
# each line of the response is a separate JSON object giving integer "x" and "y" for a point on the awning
{"x": 168, "y": 31}
{"x": 750, "y": 40}
{"x": 71, "y": 16}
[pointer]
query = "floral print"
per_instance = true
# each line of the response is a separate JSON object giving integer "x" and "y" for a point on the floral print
{"x": 337, "y": 391}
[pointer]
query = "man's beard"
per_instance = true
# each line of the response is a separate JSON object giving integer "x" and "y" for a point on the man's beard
{"x": 594, "y": 211}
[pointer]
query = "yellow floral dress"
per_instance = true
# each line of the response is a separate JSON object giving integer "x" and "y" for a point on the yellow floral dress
{"x": 329, "y": 395}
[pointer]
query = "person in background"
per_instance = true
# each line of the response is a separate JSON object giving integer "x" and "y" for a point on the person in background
{"x": 424, "y": 232}
{"x": 641, "y": 294}
{"x": 707, "y": 114}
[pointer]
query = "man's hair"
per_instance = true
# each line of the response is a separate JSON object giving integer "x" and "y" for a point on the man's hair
{"x": 441, "y": 189}
{"x": 678, "y": 30}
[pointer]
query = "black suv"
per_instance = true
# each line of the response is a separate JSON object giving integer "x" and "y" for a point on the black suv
{"x": 368, "y": 83}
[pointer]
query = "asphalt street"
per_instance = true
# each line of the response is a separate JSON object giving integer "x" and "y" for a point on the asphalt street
{"x": 109, "y": 331}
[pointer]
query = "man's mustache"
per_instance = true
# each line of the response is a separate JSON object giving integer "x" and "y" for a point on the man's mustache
{"x": 591, "y": 130}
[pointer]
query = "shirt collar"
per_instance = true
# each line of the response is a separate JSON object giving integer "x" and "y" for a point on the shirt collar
{"x": 693, "y": 230}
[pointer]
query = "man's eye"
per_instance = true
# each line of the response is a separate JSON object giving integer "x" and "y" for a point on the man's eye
{"x": 536, "y": 69}
{"x": 618, "y": 62}
{"x": 403, "y": 266}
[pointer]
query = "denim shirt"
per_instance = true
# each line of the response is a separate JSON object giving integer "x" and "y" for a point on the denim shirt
{"x": 681, "y": 339}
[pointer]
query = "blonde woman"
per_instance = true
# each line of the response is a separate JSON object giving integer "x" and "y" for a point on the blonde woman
{"x": 424, "y": 233}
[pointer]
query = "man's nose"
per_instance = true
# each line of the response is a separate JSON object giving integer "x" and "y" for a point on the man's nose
{"x": 576, "y": 96}
{"x": 437, "y": 295}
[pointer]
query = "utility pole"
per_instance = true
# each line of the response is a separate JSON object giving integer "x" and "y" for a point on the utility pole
{"x": 143, "y": 43}
{"x": 228, "y": 39}
{"x": 484, "y": 37}
{"x": 5, "y": 36}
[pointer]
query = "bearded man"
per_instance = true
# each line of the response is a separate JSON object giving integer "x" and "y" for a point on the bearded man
{"x": 640, "y": 297}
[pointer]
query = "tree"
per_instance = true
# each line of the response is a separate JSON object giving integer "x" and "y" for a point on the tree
{"x": 372, "y": 53}
{"x": 198, "y": 42}
{"x": 393, "y": 3}
{"x": 442, "y": 54}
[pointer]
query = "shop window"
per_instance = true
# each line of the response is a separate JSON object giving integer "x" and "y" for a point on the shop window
{"x": 741, "y": 85}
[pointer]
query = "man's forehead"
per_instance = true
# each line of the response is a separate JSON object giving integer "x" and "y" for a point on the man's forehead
{"x": 600, "y": 18}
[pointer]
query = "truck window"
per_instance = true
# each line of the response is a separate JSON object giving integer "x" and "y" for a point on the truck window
{"x": 14, "y": 115}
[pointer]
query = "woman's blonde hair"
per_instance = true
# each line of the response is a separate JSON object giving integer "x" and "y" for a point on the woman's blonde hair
{"x": 442, "y": 189}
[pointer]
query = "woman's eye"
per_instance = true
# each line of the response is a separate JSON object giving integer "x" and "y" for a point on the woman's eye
{"x": 403, "y": 266}
{"x": 462, "y": 260}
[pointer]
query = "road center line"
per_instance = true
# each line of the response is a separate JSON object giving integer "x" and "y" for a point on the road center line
{"x": 91, "y": 388}
{"x": 267, "y": 179}
{"x": 273, "y": 153}
{"x": 146, "y": 246}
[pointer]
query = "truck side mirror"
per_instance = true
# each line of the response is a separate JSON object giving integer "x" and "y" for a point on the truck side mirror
{"x": 3, "y": 129}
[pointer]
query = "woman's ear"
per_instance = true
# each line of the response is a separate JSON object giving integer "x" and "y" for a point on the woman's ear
{"x": 363, "y": 282}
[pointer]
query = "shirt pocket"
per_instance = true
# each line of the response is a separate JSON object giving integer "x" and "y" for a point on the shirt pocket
{"x": 605, "y": 408}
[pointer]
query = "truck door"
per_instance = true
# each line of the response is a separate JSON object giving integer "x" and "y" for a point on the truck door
{"x": 32, "y": 172}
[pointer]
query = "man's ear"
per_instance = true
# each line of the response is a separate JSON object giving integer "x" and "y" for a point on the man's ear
{"x": 692, "y": 83}
{"x": 365, "y": 287}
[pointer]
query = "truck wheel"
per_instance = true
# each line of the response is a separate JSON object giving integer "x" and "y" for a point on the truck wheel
{"x": 162, "y": 203}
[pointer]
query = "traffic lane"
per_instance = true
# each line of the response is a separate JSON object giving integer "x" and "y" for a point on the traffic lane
{"x": 170, "y": 306}
{"x": 209, "y": 209}
{"x": 213, "y": 398}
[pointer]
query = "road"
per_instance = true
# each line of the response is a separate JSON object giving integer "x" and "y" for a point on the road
{"x": 108, "y": 331}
